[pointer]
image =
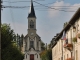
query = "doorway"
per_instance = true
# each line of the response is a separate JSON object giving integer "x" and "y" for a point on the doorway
{"x": 32, "y": 57}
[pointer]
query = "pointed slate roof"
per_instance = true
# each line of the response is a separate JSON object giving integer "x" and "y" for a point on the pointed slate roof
{"x": 32, "y": 12}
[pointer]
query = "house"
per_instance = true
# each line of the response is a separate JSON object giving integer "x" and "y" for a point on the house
{"x": 68, "y": 48}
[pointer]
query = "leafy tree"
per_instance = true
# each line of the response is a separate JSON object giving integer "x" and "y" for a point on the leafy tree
{"x": 42, "y": 46}
{"x": 46, "y": 54}
{"x": 8, "y": 50}
{"x": 65, "y": 24}
{"x": 49, "y": 54}
{"x": 22, "y": 36}
{"x": 43, "y": 55}
{"x": 49, "y": 45}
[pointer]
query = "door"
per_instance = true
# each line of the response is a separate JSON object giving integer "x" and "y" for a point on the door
{"x": 32, "y": 57}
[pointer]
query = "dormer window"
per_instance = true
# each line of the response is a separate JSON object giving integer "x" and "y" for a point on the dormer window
{"x": 31, "y": 24}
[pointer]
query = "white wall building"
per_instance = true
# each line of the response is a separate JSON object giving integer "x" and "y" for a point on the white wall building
{"x": 68, "y": 49}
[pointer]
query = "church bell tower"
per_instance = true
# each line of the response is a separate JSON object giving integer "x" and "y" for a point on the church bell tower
{"x": 31, "y": 20}
{"x": 32, "y": 41}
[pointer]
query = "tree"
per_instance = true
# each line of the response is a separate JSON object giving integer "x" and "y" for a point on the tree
{"x": 22, "y": 37}
{"x": 46, "y": 54}
{"x": 42, "y": 46}
{"x": 9, "y": 51}
{"x": 49, "y": 54}
{"x": 65, "y": 24}
{"x": 49, "y": 45}
{"x": 43, "y": 55}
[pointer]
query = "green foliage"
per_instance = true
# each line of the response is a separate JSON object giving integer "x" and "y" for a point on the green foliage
{"x": 43, "y": 55}
{"x": 65, "y": 24}
{"x": 8, "y": 50}
{"x": 49, "y": 54}
{"x": 46, "y": 55}
{"x": 49, "y": 45}
{"x": 74, "y": 39}
{"x": 21, "y": 41}
{"x": 42, "y": 46}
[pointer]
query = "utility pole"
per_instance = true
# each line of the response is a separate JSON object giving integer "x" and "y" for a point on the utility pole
{"x": 0, "y": 28}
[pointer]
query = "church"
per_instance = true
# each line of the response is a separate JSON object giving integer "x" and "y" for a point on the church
{"x": 32, "y": 41}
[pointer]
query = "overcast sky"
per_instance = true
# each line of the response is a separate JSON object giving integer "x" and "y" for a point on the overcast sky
{"x": 51, "y": 15}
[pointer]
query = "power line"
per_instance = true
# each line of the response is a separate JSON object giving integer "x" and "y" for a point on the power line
{"x": 12, "y": 17}
{"x": 43, "y": 5}
{"x": 42, "y": 9}
{"x": 22, "y": 7}
{"x": 15, "y": 1}
{"x": 66, "y": 6}
{"x": 53, "y": 8}
{"x": 15, "y": 6}
{"x": 39, "y": 4}
{"x": 20, "y": 1}
{"x": 27, "y": 1}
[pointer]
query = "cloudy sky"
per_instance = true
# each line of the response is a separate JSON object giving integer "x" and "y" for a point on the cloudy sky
{"x": 51, "y": 15}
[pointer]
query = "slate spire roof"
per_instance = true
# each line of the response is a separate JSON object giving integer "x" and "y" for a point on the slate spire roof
{"x": 31, "y": 12}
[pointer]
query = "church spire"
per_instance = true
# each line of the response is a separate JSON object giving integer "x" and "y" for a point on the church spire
{"x": 31, "y": 12}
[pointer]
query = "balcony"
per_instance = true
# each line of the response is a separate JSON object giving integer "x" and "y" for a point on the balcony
{"x": 65, "y": 45}
{"x": 68, "y": 46}
{"x": 69, "y": 59}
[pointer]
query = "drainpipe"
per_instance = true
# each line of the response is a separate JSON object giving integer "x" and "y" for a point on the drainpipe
{"x": 62, "y": 50}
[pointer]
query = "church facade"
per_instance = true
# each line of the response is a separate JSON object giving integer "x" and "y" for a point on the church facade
{"x": 32, "y": 42}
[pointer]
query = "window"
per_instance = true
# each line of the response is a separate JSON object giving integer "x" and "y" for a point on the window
{"x": 66, "y": 41}
{"x": 67, "y": 38}
{"x": 26, "y": 56}
{"x": 76, "y": 55}
{"x": 59, "y": 58}
{"x": 31, "y": 24}
{"x": 67, "y": 55}
{"x": 37, "y": 44}
{"x": 71, "y": 35}
{"x": 64, "y": 57}
{"x": 32, "y": 44}
{"x": 37, "y": 56}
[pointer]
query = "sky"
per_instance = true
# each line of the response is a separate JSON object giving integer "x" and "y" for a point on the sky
{"x": 51, "y": 16}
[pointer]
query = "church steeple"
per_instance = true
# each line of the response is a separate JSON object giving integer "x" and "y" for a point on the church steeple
{"x": 32, "y": 42}
{"x": 31, "y": 12}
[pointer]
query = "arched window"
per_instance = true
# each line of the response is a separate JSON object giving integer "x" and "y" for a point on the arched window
{"x": 31, "y": 24}
{"x": 26, "y": 56}
{"x": 37, "y": 55}
{"x": 31, "y": 44}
